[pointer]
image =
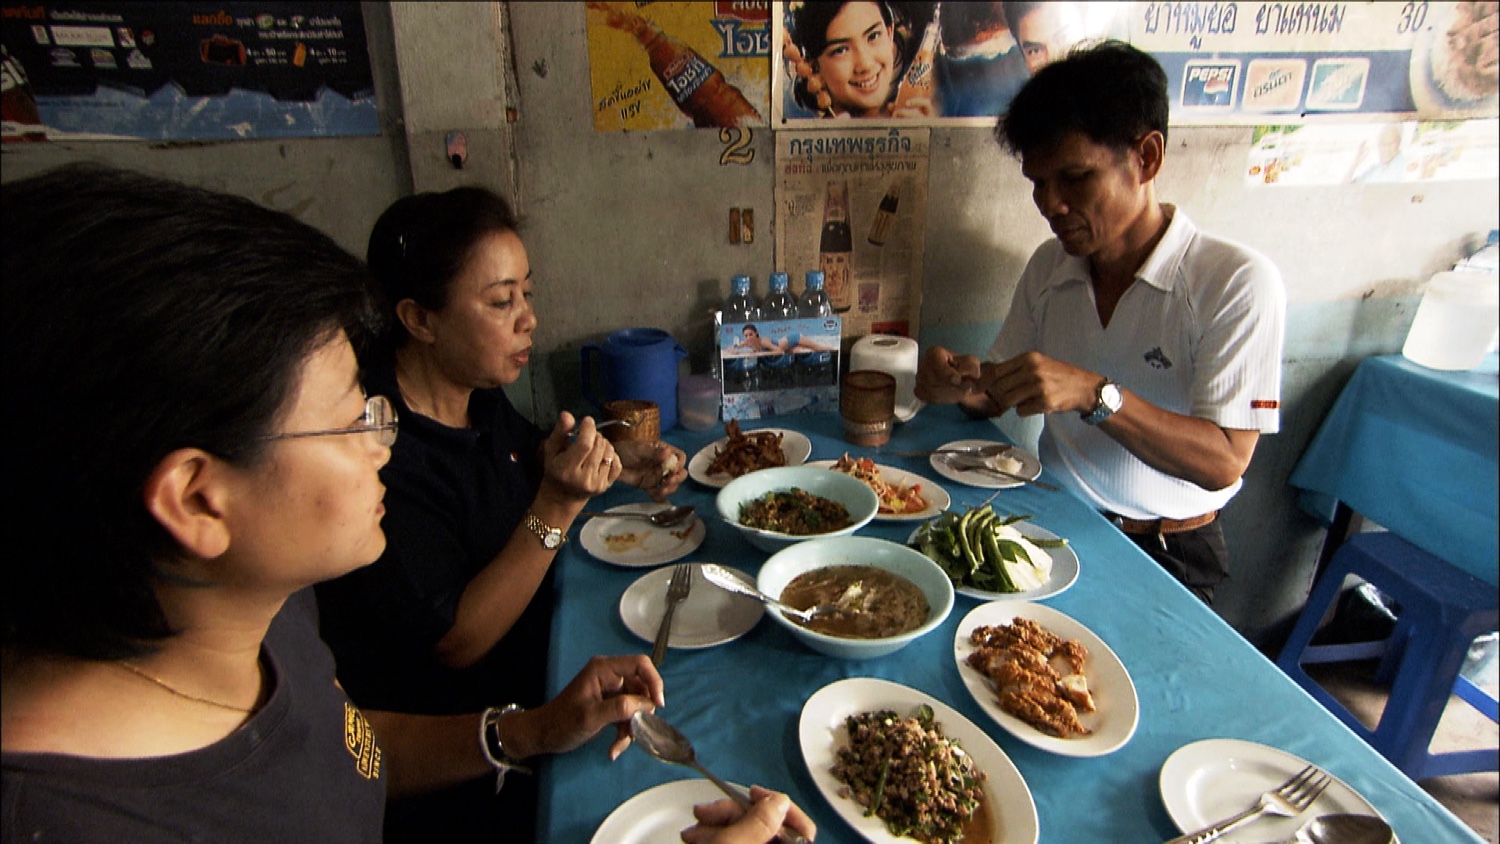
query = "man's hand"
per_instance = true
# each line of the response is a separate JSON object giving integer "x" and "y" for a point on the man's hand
{"x": 1033, "y": 383}
{"x": 946, "y": 378}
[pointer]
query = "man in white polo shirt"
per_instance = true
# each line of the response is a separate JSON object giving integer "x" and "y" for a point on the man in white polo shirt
{"x": 1153, "y": 348}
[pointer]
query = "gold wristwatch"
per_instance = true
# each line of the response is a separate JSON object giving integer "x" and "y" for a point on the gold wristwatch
{"x": 551, "y": 537}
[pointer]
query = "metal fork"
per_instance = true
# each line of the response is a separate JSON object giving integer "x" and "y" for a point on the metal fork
{"x": 991, "y": 450}
{"x": 1290, "y": 798}
{"x": 677, "y": 591}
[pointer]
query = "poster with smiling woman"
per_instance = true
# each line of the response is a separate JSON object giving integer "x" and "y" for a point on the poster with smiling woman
{"x": 918, "y": 63}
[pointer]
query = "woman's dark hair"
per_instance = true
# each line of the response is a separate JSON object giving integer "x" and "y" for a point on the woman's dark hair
{"x": 140, "y": 316}
{"x": 420, "y": 245}
{"x": 809, "y": 31}
{"x": 1111, "y": 92}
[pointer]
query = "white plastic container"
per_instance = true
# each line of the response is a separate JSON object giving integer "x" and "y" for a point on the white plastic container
{"x": 1457, "y": 321}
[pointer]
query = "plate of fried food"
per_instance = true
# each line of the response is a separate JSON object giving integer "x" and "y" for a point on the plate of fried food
{"x": 741, "y": 453}
{"x": 856, "y": 736}
{"x": 1046, "y": 679}
{"x": 904, "y": 496}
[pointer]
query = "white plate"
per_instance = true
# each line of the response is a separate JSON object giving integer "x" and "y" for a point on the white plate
{"x": 1116, "y": 707}
{"x": 937, "y": 498}
{"x": 657, "y": 814}
{"x": 1063, "y": 575}
{"x": 636, "y": 543}
{"x": 1210, "y": 780}
{"x": 708, "y": 616}
{"x": 821, "y": 732}
{"x": 1031, "y": 467}
{"x": 795, "y": 446}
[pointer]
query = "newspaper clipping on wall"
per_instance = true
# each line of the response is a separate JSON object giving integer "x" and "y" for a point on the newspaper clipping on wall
{"x": 853, "y": 204}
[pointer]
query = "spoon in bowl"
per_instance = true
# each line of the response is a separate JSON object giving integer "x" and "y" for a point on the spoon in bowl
{"x": 724, "y": 579}
{"x": 660, "y": 518}
{"x": 666, "y": 743}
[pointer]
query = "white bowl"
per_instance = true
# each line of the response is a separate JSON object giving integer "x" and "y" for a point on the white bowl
{"x": 855, "y": 495}
{"x": 909, "y": 563}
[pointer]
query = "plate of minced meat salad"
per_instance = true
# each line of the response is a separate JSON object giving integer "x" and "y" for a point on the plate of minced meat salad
{"x": 899, "y": 766}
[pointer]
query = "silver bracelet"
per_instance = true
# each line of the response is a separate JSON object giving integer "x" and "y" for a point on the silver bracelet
{"x": 494, "y": 749}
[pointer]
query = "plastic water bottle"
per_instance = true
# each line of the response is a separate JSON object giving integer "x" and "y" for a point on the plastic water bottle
{"x": 814, "y": 369}
{"x": 779, "y": 306}
{"x": 740, "y": 375}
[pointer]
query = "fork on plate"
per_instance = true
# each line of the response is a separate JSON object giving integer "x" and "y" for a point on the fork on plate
{"x": 1290, "y": 798}
{"x": 677, "y": 591}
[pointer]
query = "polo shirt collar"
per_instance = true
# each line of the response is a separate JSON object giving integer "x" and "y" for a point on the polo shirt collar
{"x": 1160, "y": 268}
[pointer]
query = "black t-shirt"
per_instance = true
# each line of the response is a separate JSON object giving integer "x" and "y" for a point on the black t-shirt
{"x": 306, "y": 767}
{"x": 454, "y": 497}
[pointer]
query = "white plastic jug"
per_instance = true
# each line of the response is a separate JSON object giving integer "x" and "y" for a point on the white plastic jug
{"x": 1457, "y": 321}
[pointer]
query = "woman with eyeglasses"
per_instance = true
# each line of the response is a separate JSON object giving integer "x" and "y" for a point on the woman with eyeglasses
{"x": 191, "y": 449}
{"x": 456, "y": 614}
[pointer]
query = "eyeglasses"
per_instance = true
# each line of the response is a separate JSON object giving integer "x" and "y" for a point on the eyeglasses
{"x": 379, "y": 419}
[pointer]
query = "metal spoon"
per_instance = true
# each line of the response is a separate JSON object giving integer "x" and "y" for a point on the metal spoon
{"x": 661, "y": 518}
{"x": 724, "y": 579}
{"x": 666, "y": 743}
{"x": 1344, "y": 829}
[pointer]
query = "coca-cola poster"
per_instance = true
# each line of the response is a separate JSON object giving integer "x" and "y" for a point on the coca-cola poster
{"x": 1240, "y": 63}
{"x": 851, "y": 201}
{"x": 679, "y": 65}
{"x": 186, "y": 70}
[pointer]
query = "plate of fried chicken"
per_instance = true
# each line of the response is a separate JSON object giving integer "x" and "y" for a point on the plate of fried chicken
{"x": 1046, "y": 679}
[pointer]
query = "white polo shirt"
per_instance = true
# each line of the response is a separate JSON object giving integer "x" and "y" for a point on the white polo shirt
{"x": 1199, "y": 333}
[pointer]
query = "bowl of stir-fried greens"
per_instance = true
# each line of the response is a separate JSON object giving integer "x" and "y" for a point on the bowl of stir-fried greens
{"x": 775, "y": 508}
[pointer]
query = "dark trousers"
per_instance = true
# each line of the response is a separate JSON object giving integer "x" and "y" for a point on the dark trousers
{"x": 1198, "y": 558}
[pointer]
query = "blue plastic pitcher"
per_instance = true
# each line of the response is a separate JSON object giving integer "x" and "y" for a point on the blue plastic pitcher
{"x": 634, "y": 363}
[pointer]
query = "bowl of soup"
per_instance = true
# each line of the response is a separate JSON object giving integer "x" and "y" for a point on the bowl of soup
{"x": 881, "y": 596}
{"x": 776, "y": 508}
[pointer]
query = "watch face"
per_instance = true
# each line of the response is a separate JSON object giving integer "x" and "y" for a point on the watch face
{"x": 552, "y": 539}
{"x": 1109, "y": 394}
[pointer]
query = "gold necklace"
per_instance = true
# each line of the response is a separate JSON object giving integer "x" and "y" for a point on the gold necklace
{"x": 144, "y": 674}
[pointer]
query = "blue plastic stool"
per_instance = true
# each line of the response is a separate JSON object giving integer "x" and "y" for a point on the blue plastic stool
{"x": 1442, "y": 610}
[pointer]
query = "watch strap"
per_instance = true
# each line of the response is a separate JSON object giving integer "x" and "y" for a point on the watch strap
{"x": 552, "y": 538}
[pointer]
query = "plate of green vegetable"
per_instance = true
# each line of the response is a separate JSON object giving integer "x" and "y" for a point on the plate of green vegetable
{"x": 993, "y": 557}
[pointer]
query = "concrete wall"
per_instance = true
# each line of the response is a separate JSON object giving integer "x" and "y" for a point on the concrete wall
{"x": 629, "y": 230}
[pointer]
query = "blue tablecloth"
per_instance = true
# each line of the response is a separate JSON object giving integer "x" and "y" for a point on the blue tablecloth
{"x": 1195, "y": 677}
{"x": 1414, "y": 450}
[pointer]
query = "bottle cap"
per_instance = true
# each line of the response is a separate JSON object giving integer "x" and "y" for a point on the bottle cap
{"x": 740, "y": 281}
{"x": 814, "y": 278}
{"x": 778, "y": 281}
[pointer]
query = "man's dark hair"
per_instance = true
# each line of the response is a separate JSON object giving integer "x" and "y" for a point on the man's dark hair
{"x": 140, "y": 316}
{"x": 422, "y": 242}
{"x": 1111, "y": 92}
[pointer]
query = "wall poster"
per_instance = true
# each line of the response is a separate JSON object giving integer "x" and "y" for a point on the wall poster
{"x": 1366, "y": 153}
{"x": 682, "y": 65}
{"x": 185, "y": 71}
{"x": 852, "y": 202}
{"x": 1227, "y": 63}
